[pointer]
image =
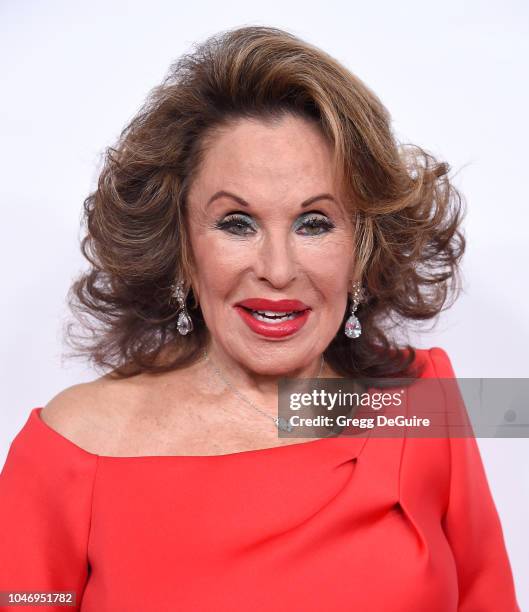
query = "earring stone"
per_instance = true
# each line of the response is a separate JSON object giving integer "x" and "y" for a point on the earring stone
{"x": 184, "y": 324}
{"x": 353, "y": 328}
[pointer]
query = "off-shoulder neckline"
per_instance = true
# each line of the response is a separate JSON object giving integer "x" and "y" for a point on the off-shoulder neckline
{"x": 353, "y": 443}
{"x": 40, "y": 424}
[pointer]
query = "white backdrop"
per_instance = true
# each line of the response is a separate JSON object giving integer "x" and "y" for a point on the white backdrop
{"x": 453, "y": 75}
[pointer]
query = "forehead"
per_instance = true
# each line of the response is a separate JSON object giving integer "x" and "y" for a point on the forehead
{"x": 267, "y": 159}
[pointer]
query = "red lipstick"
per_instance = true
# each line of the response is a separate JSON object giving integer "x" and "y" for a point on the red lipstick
{"x": 298, "y": 314}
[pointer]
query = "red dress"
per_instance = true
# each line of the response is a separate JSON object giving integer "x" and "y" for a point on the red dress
{"x": 333, "y": 524}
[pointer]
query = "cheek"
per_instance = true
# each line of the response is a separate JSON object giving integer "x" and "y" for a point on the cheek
{"x": 218, "y": 264}
{"x": 329, "y": 264}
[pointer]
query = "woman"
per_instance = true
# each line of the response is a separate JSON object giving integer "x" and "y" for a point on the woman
{"x": 256, "y": 220}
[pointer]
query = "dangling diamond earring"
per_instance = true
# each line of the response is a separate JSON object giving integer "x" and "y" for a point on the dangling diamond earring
{"x": 184, "y": 323}
{"x": 353, "y": 329}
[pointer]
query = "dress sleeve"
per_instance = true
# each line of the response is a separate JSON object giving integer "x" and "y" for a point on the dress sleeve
{"x": 471, "y": 522}
{"x": 45, "y": 503}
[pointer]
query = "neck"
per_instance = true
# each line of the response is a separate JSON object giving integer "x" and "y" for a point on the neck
{"x": 260, "y": 380}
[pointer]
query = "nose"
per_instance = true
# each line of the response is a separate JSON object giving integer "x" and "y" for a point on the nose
{"x": 275, "y": 260}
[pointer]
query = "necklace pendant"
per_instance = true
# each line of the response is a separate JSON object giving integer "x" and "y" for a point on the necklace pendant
{"x": 283, "y": 424}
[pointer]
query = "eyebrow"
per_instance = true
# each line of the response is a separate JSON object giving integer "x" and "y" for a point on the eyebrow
{"x": 228, "y": 194}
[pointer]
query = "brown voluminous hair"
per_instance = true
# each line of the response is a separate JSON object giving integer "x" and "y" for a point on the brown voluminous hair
{"x": 406, "y": 211}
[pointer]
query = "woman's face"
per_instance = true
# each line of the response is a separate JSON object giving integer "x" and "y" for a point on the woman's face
{"x": 266, "y": 223}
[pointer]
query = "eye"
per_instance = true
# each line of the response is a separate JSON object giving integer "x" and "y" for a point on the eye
{"x": 315, "y": 224}
{"x": 237, "y": 224}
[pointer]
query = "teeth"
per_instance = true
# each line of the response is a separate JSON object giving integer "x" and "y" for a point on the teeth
{"x": 268, "y": 318}
{"x": 273, "y": 313}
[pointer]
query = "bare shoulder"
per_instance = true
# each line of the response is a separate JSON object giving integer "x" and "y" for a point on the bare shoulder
{"x": 88, "y": 413}
{"x": 63, "y": 409}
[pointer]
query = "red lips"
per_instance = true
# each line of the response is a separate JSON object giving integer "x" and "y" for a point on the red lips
{"x": 280, "y": 329}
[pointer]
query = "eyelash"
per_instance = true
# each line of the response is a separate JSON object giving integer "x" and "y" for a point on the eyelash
{"x": 235, "y": 220}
